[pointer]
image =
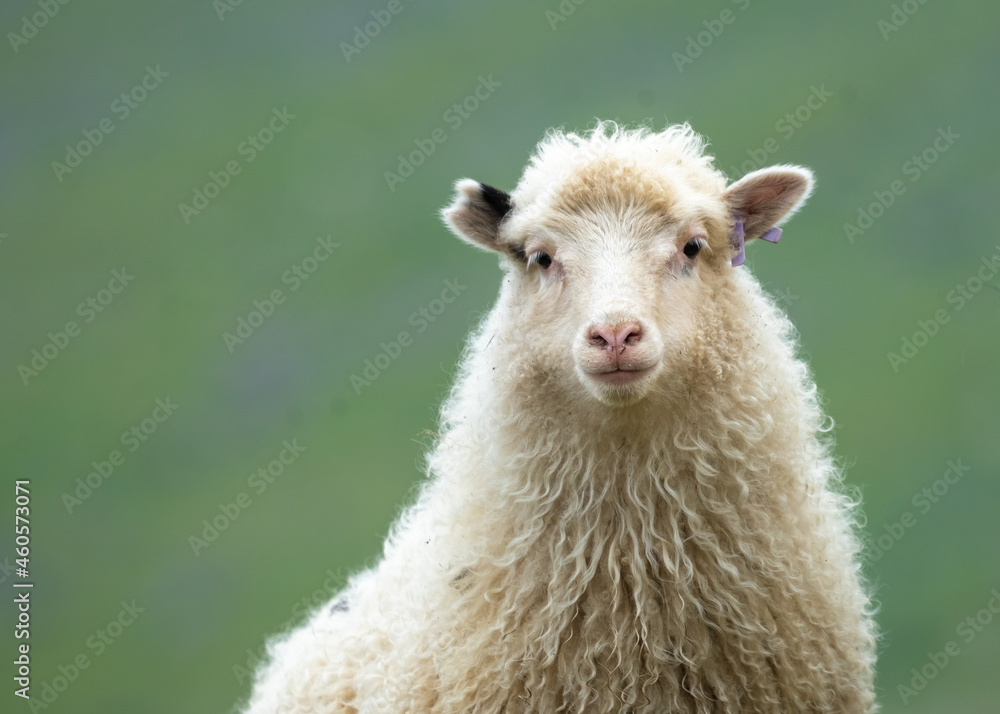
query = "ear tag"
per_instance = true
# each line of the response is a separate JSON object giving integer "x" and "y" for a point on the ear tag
{"x": 739, "y": 240}
{"x": 772, "y": 236}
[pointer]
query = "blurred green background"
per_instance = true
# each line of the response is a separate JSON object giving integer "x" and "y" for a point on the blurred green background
{"x": 220, "y": 71}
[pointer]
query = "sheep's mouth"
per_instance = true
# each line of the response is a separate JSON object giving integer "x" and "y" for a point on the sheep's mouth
{"x": 621, "y": 376}
{"x": 618, "y": 383}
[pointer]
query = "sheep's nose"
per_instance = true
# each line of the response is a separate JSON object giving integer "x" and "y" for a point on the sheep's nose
{"x": 615, "y": 338}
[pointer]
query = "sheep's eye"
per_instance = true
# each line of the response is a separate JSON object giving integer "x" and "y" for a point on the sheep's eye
{"x": 543, "y": 259}
{"x": 693, "y": 247}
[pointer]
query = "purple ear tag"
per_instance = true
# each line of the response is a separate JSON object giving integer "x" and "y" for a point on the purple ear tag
{"x": 739, "y": 240}
{"x": 772, "y": 236}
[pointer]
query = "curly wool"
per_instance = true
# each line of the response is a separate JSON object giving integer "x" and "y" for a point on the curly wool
{"x": 694, "y": 552}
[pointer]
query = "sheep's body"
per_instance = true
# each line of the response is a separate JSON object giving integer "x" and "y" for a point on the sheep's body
{"x": 686, "y": 552}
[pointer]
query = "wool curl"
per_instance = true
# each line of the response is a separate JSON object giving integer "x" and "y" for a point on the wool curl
{"x": 694, "y": 552}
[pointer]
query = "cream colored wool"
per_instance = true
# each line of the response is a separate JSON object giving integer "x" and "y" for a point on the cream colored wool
{"x": 682, "y": 544}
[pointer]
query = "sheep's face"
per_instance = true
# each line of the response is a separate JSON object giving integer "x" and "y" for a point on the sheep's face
{"x": 614, "y": 294}
{"x": 613, "y": 264}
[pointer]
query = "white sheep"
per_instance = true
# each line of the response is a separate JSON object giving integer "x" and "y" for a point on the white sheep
{"x": 631, "y": 506}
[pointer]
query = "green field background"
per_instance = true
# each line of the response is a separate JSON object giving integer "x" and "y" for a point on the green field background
{"x": 889, "y": 90}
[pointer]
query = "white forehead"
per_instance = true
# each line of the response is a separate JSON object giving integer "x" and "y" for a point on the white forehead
{"x": 673, "y": 158}
{"x": 618, "y": 186}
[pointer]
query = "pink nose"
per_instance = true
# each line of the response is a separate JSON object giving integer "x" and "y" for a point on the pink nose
{"x": 615, "y": 338}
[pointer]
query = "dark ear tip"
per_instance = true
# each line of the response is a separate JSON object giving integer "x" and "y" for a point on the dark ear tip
{"x": 476, "y": 213}
{"x": 496, "y": 199}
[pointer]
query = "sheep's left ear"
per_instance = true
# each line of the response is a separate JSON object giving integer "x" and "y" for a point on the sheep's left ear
{"x": 476, "y": 213}
{"x": 763, "y": 198}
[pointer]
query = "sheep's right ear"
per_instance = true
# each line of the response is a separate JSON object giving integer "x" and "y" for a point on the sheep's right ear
{"x": 476, "y": 213}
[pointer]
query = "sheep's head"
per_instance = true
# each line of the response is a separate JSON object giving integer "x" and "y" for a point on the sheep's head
{"x": 614, "y": 243}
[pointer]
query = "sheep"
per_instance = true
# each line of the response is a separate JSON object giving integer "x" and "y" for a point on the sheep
{"x": 632, "y": 503}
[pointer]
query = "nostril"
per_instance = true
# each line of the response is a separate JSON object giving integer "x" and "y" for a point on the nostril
{"x": 601, "y": 337}
{"x": 630, "y": 334}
